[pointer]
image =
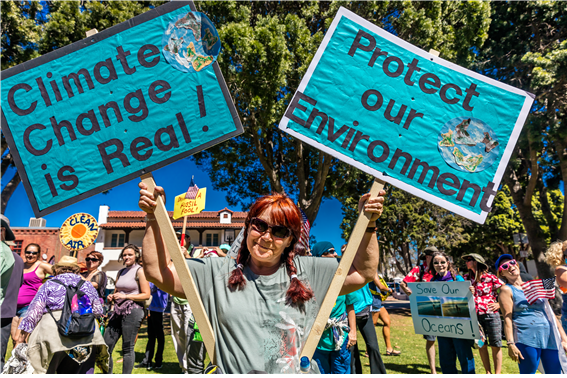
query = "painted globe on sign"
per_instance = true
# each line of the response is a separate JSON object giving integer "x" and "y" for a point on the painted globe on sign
{"x": 468, "y": 144}
{"x": 191, "y": 42}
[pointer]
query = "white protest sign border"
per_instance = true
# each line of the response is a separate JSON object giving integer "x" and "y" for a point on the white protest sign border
{"x": 444, "y": 309}
{"x": 480, "y": 218}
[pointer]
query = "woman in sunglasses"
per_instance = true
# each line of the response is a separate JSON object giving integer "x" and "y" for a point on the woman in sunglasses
{"x": 556, "y": 256}
{"x": 451, "y": 348}
{"x": 34, "y": 274}
{"x": 96, "y": 277}
{"x": 262, "y": 305}
{"x": 532, "y": 333}
{"x": 485, "y": 291}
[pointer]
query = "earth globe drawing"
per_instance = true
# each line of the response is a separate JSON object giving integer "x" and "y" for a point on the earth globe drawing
{"x": 191, "y": 42}
{"x": 468, "y": 144}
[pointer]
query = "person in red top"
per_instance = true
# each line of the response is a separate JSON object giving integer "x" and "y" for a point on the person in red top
{"x": 484, "y": 287}
{"x": 421, "y": 273}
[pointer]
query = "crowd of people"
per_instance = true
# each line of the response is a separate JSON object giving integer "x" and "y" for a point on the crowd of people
{"x": 275, "y": 289}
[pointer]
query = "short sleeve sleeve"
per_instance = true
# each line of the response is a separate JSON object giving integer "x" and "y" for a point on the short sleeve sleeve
{"x": 413, "y": 275}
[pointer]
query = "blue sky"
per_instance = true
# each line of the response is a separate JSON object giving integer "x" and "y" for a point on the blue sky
{"x": 125, "y": 197}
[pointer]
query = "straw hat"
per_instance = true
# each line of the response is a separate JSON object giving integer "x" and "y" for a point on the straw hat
{"x": 67, "y": 261}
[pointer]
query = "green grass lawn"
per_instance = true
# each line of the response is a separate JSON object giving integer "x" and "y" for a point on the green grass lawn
{"x": 412, "y": 360}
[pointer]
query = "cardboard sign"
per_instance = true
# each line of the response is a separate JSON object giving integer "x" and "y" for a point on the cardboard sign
{"x": 405, "y": 116}
{"x": 184, "y": 206}
{"x": 114, "y": 106}
{"x": 443, "y": 309}
{"x": 78, "y": 231}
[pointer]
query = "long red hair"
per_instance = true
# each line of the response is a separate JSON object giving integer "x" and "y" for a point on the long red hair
{"x": 282, "y": 212}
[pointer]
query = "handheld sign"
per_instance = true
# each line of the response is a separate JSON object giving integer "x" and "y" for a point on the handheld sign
{"x": 408, "y": 117}
{"x": 444, "y": 309}
{"x": 78, "y": 232}
{"x": 184, "y": 206}
{"x": 116, "y": 105}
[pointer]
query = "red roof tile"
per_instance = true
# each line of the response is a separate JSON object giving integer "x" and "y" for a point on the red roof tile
{"x": 176, "y": 224}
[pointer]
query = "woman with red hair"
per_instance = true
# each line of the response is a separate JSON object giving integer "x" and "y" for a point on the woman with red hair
{"x": 263, "y": 305}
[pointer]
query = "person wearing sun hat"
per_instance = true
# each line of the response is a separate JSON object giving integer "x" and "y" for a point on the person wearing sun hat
{"x": 50, "y": 352}
{"x": 532, "y": 331}
{"x": 484, "y": 287}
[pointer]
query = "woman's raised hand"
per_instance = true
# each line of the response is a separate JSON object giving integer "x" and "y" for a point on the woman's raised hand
{"x": 147, "y": 200}
{"x": 375, "y": 205}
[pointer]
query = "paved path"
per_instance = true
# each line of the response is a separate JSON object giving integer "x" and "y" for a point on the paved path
{"x": 395, "y": 306}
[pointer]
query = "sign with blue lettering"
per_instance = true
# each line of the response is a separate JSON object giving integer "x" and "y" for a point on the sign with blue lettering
{"x": 116, "y": 105}
{"x": 443, "y": 309}
{"x": 421, "y": 123}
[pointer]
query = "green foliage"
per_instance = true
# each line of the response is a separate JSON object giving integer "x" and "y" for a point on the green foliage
{"x": 526, "y": 48}
{"x": 267, "y": 48}
{"x": 409, "y": 224}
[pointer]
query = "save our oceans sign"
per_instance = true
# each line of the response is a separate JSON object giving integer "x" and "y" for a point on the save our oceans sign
{"x": 421, "y": 123}
{"x": 116, "y": 105}
{"x": 443, "y": 309}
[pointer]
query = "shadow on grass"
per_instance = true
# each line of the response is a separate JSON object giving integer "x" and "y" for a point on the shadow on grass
{"x": 407, "y": 368}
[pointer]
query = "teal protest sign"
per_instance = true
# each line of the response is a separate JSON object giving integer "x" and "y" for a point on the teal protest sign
{"x": 423, "y": 124}
{"x": 116, "y": 105}
{"x": 443, "y": 309}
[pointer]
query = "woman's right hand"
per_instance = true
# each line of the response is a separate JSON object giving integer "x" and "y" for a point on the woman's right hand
{"x": 147, "y": 200}
{"x": 514, "y": 353}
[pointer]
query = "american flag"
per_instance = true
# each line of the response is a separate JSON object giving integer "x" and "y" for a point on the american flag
{"x": 192, "y": 191}
{"x": 535, "y": 289}
{"x": 305, "y": 228}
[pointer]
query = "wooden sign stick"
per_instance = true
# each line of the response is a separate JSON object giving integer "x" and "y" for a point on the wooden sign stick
{"x": 170, "y": 240}
{"x": 183, "y": 231}
{"x": 340, "y": 276}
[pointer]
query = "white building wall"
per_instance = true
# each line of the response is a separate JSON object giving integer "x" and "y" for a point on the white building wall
{"x": 225, "y": 217}
{"x": 136, "y": 237}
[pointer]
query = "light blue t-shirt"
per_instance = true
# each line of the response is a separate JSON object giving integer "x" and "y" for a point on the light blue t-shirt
{"x": 361, "y": 299}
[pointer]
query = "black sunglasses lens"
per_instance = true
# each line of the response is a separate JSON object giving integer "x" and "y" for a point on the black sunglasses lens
{"x": 259, "y": 224}
{"x": 280, "y": 231}
{"x": 32, "y": 253}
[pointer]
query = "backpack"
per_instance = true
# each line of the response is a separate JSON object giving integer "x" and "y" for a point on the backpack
{"x": 77, "y": 318}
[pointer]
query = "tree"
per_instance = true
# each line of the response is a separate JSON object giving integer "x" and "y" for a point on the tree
{"x": 32, "y": 28}
{"x": 267, "y": 47}
{"x": 407, "y": 226}
{"x": 526, "y": 48}
{"x": 495, "y": 236}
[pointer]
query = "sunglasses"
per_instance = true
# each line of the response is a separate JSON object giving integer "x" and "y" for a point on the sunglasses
{"x": 262, "y": 227}
{"x": 32, "y": 253}
{"x": 469, "y": 260}
{"x": 507, "y": 265}
{"x": 89, "y": 259}
{"x": 440, "y": 263}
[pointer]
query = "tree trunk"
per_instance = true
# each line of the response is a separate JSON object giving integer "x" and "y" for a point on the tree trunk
{"x": 9, "y": 190}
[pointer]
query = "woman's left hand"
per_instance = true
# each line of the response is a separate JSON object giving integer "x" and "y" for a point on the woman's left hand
{"x": 375, "y": 205}
{"x": 564, "y": 345}
{"x": 119, "y": 296}
{"x": 351, "y": 339}
{"x": 22, "y": 338}
{"x": 494, "y": 307}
